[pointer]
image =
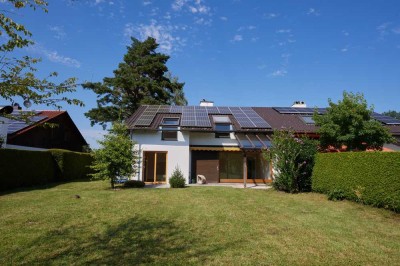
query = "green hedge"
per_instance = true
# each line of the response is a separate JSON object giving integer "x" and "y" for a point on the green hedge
{"x": 369, "y": 177}
{"x": 20, "y": 168}
{"x": 72, "y": 165}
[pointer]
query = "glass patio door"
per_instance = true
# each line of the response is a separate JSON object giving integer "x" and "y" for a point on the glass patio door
{"x": 155, "y": 167}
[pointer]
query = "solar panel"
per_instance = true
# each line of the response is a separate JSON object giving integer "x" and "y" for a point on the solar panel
{"x": 16, "y": 125}
{"x": 299, "y": 110}
{"x": 388, "y": 120}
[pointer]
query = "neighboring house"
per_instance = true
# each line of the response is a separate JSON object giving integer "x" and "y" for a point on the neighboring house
{"x": 224, "y": 144}
{"x": 43, "y": 130}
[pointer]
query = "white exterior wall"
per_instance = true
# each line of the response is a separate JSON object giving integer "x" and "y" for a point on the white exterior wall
{"x": 209, "y": 139}
{"x": 178, "y": 152}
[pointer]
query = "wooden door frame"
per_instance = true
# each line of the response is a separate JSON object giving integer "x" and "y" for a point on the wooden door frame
{"x": 144, "y": 173}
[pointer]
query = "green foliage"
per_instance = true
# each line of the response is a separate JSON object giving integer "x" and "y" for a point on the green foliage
{"x": 72, "y": 165}
{"x": 20, "y": 168}
{"x": 17, "y": 75}
{"x": 177, "y": 180}
{"x": 349, "y": 123}
{"x": 142, "y": 78}
{"x": 116, "y": 156}
{"x": 134, "y": 184}
{"x": 392, "y": 113}
{"x": 293, "y": 160}
{"x": 368, "y": 177}
{"x": 336, "y": 194}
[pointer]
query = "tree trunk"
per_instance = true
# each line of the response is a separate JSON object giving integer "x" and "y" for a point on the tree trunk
{"x": 112, "y": 182}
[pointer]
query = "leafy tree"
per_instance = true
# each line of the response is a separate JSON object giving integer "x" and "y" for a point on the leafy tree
{"x": 17, "y": 75}
{"x": 349, "y": 123}
{"x": 142, "y": 78}
{"x": 116, "y": 156}
{"x": 393, "y": 114}
{"x": 293, "y": 159}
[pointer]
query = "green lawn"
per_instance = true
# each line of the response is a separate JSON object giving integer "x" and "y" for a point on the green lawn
{"x": 197, "y": 225}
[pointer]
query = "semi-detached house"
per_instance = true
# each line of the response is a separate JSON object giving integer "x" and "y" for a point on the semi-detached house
{"x": 223, "y": 144}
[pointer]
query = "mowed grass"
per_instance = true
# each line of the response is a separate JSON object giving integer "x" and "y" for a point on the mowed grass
{"x": 196, "y": 225}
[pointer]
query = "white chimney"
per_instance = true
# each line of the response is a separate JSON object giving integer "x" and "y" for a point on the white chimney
{"x": 204, "y": 102}
{"x": 299, "y": 104}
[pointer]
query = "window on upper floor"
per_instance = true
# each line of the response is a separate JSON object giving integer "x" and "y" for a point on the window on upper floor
{"x": 169, "y": 129}
{"x": 223, "y": 126}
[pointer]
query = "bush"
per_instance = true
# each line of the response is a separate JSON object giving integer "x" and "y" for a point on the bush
{"x": 336, "y": 194}
{"x": 71, "y": 165}
{"x": 177, "y": 180}
{"x": 293, "y": 160}
{"x": 134, "y": 184}
{"x": 368, "y": 177}
{"x": 20, "y": 168}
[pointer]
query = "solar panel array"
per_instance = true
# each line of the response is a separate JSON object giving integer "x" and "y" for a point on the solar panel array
{"x": 388, "y": 120}
{"x": 299, "y": 110}
{"x": 16, "y": 125}
{"x": 198, "y": 116}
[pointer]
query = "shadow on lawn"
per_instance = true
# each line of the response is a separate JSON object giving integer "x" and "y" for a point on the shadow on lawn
{"x": 41, "y": 187}
{"x": 135, "y": 241}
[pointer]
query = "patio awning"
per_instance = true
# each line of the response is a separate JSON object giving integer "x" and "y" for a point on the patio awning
{"x": 205, "y": 148}
{"x": 253, "y": 141}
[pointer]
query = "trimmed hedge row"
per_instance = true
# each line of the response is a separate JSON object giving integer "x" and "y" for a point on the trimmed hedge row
{"x": 21, "y": 168}
{"x": 372, "y": 178}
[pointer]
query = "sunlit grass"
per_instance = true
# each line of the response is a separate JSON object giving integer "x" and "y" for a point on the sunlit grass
{"x": 196, "y": 225}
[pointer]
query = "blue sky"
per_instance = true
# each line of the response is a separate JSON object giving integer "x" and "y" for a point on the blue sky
{"x": 236, "y": 53}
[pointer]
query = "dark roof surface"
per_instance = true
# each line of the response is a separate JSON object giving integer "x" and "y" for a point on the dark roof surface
{"x": 275, "y": 119}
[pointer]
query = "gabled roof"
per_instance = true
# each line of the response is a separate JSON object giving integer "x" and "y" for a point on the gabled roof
{"x": 244, "y": 119}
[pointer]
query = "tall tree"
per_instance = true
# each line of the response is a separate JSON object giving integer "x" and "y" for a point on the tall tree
{"x": 142, "y": 78}
{"x": 392, "y": 113}
{"x": 116, "y": 156}
{"x": 18, "y": 75}
{"x": 349, "y": 123}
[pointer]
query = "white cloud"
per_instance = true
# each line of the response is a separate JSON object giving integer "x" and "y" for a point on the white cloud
{"x": 279, "y": 73}
{"x": 59, "y": 32}
{"x": 284, "y": 31}
{"x": 396, "y": 30}
{"x": 312, "y": 12}
{"x": 54, "y": 56}
{"x": 345, "y": 33}
{"x": 162, "y": 33}
{"x": 146, "y": 3}
{"x": 271, "y": 15}
{"x": 251, "y": 27}
{"x": 237, "y": 38}
{"x": 96, "y": 2}
{"x": 193, "y": 6}
{"x": 203, "y": 21}
{"x": 223, "y": 18}
{"x": 383, "y": 29}
{"x": 345, "y": 49}
{"x": 261, "y": 67}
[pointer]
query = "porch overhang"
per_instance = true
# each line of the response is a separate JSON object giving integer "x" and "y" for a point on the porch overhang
{"x": 208, "y": 148}
{"x": 253, "y": 141}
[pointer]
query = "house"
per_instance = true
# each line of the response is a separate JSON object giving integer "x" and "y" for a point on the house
{"x": 224, "y": 144}
{"x": 43, "y": 130}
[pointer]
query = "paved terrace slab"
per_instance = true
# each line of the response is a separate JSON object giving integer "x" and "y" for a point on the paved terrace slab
{"x": 233, "y": 185}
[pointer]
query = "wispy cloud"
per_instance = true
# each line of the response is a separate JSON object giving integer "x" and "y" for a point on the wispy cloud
{"x": 383, "y": 29}
{"x": 396, "y": 30}
{"x": 271, "y": 15}
{"x": 279, "y": 73}
{"x": 192, "y": 6}
{"x": 345, "y": 49}
{"x": 54, "y": 56}
{"x": 146, "y": 3}
{"x": 313, "y": 12}
{"x": 242, "y": 28}
{"x": 164, "y": 34}
{"x": 237, "y": 38}
{"x": 58, "y": 31}
{"x": 345, "y": 33}
{"x": 284, "y": 31}
{"x": 223, "y": 18}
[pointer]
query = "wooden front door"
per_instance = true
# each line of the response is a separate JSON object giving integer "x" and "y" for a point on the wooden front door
{"x": 206, "y": 163}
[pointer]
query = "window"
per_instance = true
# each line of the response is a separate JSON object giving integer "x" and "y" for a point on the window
{"x": 308, "y": 120}
{"x": 169, "y": 127}
{"x": 223, "y": 126}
